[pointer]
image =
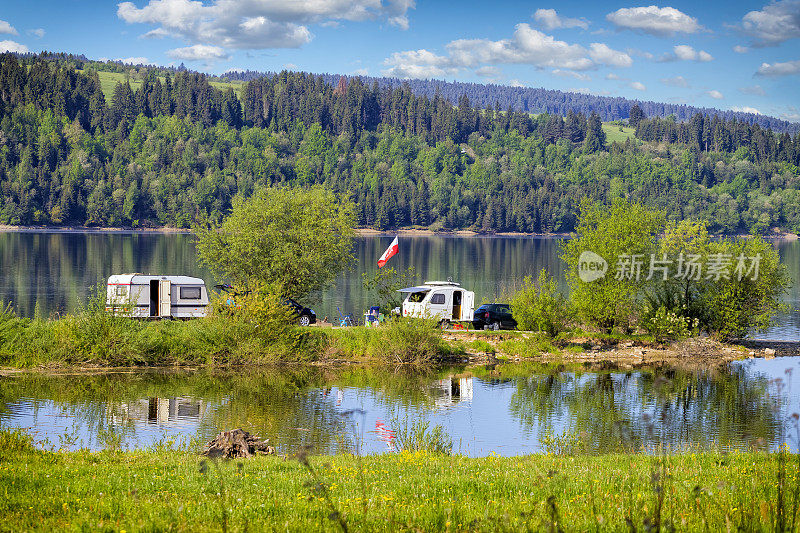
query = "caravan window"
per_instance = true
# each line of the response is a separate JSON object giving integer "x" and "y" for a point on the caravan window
{"x": 416, "y": 297}
{"x": 190, "y": 293}
{"x": 437, "y": 298}
{"x": 122, "y": 290}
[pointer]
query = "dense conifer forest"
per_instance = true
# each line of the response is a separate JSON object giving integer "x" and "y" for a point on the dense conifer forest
{"x": 176, "y": 148}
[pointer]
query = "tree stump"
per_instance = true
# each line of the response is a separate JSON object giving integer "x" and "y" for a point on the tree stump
{"x": 237, "y": 443}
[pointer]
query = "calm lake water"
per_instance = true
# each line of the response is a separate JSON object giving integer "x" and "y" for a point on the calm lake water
{"x": 505, "y": 410}
{"x": 57, "y": 270}
{"x": 508, "y": 411}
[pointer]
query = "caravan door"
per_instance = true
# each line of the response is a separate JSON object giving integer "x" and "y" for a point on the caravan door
{"x": 468, "y": 305}
{"x": 164, "y": 299}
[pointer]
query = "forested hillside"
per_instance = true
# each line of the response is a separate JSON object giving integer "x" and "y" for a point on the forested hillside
{"x": 177, "y": 148}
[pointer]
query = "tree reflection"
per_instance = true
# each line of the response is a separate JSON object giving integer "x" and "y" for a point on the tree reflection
{"x": 647, "y": 409}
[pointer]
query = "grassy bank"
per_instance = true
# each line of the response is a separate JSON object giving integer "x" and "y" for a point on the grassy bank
{"x": 93, "y": 338}
{"x": 163, "y": 489}
{"x": 268, "y": 336}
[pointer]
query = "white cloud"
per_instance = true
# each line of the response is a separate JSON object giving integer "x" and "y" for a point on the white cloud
{"x": 677, "y": 81}
{"x": 37, "y": 32}
{"x": 779, "y": 69}
{"x": 516, "y": 83}
{"x": 549, "y": 19}
{"x": 527, "y": 46}
{"x": 654, "y": 20}
{"x": 602, "y": 54}
{"x": 133, "y": 60}
{"x": 158, "y": 33}
{"x": 684, "y": 52}
{"x": 792, "y": 114}
{"x": 401, "y": 21}
{"x": 361, "y": 72}
{"x": 199, "y": 52}
{"x": 639, "y": 86}
{"x": 755, "y": 90}
{"x": 419, "y": 64}
{"x": 290, "y": 66}
{"x": 612, "y": 76}
{"x": 5, "y": 27}
{"x": 739, "y": 49}
{"x": 774, "y": 24}
{"x": 488, "y": 72}
{"x": 12, "y": 46}
{"x": 716, "y": 95}
{"x": 256, "y": 24}
{"x": 586, "y": 90}
{"x": 746, "y": 109}
{"x": 571, "y": 74}
{"x": 640, "y": 53}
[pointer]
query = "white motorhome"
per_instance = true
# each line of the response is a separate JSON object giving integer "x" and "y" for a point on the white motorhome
{"x": 442, "y": 300}
{"x": 148, "y": 296}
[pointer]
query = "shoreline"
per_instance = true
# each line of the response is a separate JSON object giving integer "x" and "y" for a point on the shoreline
{"x": 596, "y": 354}
{"x": 360, "y": 232}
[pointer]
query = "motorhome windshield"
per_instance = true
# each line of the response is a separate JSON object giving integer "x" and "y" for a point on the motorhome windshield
{"x": 416, "y": 297}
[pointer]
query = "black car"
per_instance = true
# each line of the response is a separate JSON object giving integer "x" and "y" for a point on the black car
{"x": 493, "y": 316}
{"x": 306, "y": 315}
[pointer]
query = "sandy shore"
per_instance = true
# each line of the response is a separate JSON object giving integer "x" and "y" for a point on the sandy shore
{"x": 87, "y": 229}
{"x": 413, "y": 232}
{"x": 362, "y": 232}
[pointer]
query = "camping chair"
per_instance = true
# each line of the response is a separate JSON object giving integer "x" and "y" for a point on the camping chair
{"x": 346, "y": 320}
{"x": 371, "y": 316}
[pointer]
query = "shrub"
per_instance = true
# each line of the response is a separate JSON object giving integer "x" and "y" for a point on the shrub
{"x": 665, "y": 325}
{"x": 733, "y": 306}
{"x": 414, "y": 341}
{"x": 421, "y": 437}
{"x": 611, "y": 232}
{"x": 539, "y": 306}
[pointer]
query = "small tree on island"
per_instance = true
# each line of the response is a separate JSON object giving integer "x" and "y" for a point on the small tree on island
{"x": 621, "y": 229}
{"x": 643, "y": 286}
{"x": 294, "y": 240}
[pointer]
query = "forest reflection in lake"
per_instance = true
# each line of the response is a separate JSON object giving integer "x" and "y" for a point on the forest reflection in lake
{"x": 56, "y": 270}
{"x": 508, "y": 410}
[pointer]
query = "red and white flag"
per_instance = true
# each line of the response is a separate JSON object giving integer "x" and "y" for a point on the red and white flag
{"x": 390, "y": 251}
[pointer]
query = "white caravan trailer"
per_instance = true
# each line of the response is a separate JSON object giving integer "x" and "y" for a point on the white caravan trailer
{"x": 147, "y": 296}
{"x": 443, "y": 300}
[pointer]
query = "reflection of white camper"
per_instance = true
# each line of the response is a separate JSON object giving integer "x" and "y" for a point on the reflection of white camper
{"x": 144, "y": 296}
{"x": 450, "y": 391}
{"x": 443, "y": 300}
{"x": 163, "y": 411}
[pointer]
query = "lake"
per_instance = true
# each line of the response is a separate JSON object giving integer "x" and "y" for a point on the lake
{"x": 509, "y": 410}
{"x": 56, "y": 270}
{"x": 503, "y": 410}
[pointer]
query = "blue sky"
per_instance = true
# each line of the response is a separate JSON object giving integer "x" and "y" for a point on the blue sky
{"x": 728, "y": 55}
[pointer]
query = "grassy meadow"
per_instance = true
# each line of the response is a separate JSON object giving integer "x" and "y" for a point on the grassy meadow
{"x": 615, "y": 132}
{"x": 164, "y": 489}
{"x": 109, "y": 80}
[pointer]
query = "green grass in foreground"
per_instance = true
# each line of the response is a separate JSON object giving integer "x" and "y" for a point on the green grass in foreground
{"x": 163, "y": 489}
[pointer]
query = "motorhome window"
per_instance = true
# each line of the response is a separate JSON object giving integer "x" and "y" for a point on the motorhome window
{"x": 437, "y": 298}
{"x": 417, "y": 297}
{"x": 190, "y": 293}
{"x": 122, "y": 290}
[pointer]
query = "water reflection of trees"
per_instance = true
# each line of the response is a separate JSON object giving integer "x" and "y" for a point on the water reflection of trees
{"x": 289, "y": 406}
{"x": 294, "y": 406}
{"x": 676, "y": 408}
